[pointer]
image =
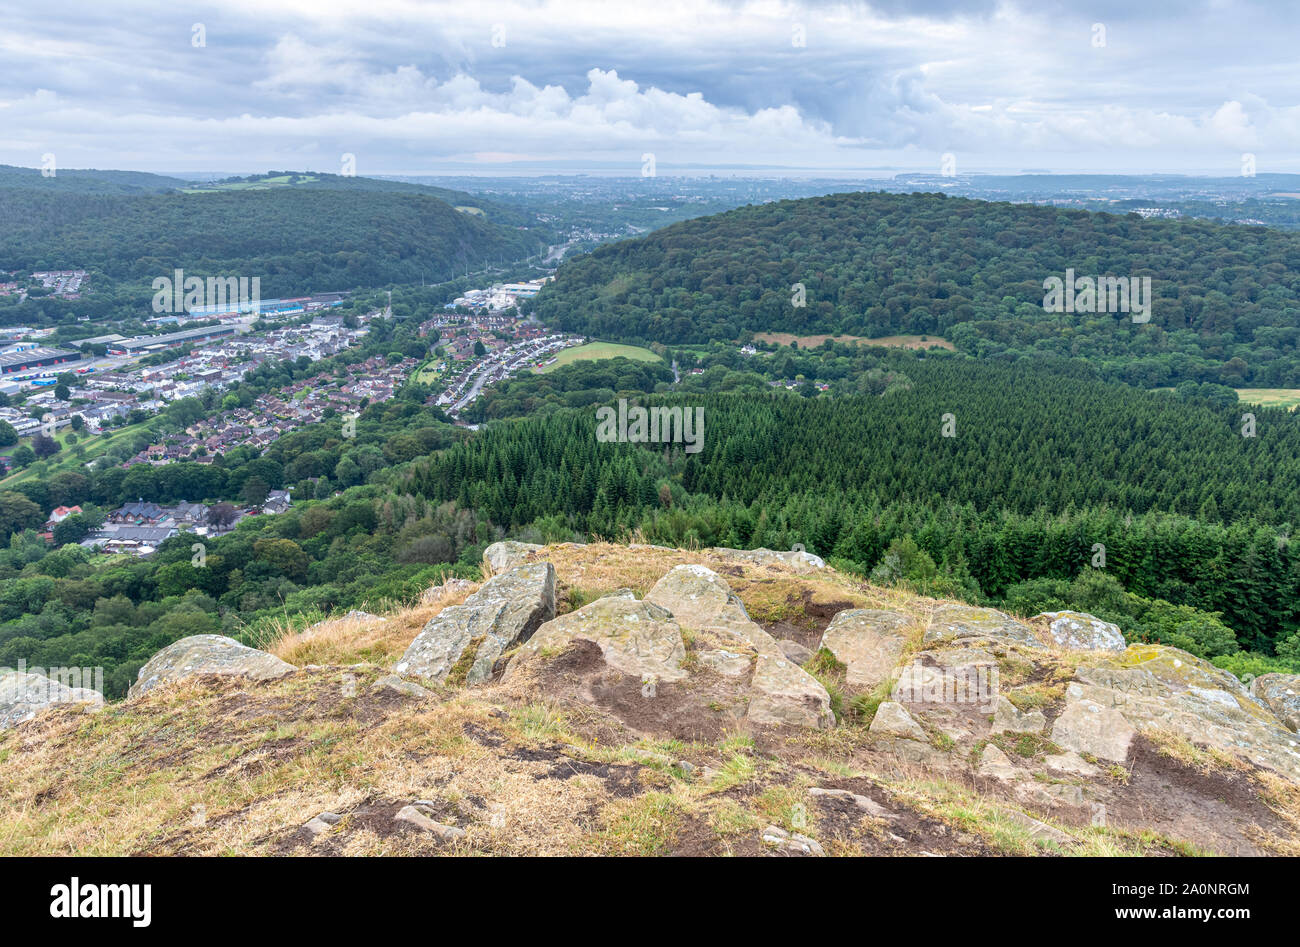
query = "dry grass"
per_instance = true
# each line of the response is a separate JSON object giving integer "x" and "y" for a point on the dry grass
{"x": 352, "y": 640}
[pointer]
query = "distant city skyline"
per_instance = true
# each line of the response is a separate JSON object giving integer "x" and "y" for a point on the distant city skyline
{"x": 554, "y": 86}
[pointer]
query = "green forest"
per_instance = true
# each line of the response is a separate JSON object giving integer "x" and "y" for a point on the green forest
{"x": 1226, "y": 305}
{"x": 298, "y": 240}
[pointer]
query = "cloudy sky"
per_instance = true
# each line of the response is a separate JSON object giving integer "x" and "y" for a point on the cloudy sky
{"x": 498, "y": 87}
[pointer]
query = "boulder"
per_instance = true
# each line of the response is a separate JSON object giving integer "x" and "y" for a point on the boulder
{"x": 1080, "y": 631}
{"x": 781, "y": 692}
{"x": 1086, "y": 726}
{"x": 869, "y": 642}
{"x": 1069, "y": 764}
{"x": 701, "y": 600}
{"x": 891, "y": 720}
{"x": 1280, "y": 693}
{"x": 784, "y": 693}
{"x": 504, "y": 556}
{"x": 796, "y": 560}
{"x": 24, "y": 695}
{"x": 950, "y": 622}
{"x": 505, "y": 611}
{"x": 207, "y": 654}
{"x": 636, "y": 637}
{"x": 436, "y": 593}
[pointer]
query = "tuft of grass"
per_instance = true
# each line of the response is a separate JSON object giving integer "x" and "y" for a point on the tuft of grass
{"x": 646, "y": 825}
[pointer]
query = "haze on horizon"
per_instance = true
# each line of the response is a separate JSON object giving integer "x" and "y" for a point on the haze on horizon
{"x": 556, "y": 86}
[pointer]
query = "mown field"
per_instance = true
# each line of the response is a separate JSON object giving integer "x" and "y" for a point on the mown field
{"x": 597, "y": 350}
{"x": 1271, "y": 397}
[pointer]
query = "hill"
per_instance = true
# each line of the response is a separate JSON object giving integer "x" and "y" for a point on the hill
{"x": 494, "y": 211}
{"x": 297, "y": 239}
{"x": 87, "y": 181}
{"x": 1226, "y": 302}
{"x": 650, "y": 701}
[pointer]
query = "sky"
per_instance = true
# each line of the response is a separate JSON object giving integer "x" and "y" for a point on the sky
{"x": 402, "y": 87}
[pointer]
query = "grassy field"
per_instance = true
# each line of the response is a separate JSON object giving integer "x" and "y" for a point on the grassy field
{"x": 596, "y": 350}
{"x": 64, "y": 460}
{"x": 1271, "y": 397}
{"x": 891, "y": 341}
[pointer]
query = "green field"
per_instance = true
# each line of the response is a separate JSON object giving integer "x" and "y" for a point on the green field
{"x": 1271, "y": 397}
{"x": 597, "y": 350}
{"x": 66, "y": 459}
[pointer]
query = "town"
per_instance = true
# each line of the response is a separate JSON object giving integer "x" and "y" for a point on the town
{"x": 112, "y": 381}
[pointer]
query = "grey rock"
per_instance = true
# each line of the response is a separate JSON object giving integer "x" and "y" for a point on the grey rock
{"x": 504, "y": 612}
{"x": 784, "y": 693}
{"x": 1086, "y": 726}
{"x": 788, "y": 844}
{"x": 504, "y": 556}
{"x": 1280, "y": 693}
{"x": 891, "y": 720}
{"x": 635, "y": 637}
{"x": 869, "y": 642}
{"x": 865, "y": 803}
{"x": 394, "y": 683}
{"x": 799, "y": 561}
{"x": 411, "y": 815}
{"x": 950, "y": 622}
{"x": 207, "y": 654}
{"x": 24, "y": 695}
{"x": 1006, "y": 718}
{"x": 726, "y": 663}
{"x": 1083, "y": 632}
{"x": 997, "y": 765}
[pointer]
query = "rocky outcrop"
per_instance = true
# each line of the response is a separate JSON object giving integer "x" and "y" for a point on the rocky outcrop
{"x": 1280, "y": 693}
{"x": 1155, "y": 687}
{"x": 504, "y": 612}
{"x": 795, "y": 559}
{"x": 636, "y": 637}
{"x": 23, "y": 696}
{"x": 207, "y": 654}
{"x": 701, "y": 600}
{"x": 869, "y": 642}
{"x": 781, "y": 691}
{"x": 950, "y": 622}
{"x": 1080, "y": 631}
{"x": 505, "y": 555}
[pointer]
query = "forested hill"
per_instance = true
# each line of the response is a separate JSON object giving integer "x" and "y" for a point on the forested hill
{"x": 297, "y": 240}
{"x": 87, "y": 181}
{"x": 495, "y": 211}
{"x": 1226, "y": 306}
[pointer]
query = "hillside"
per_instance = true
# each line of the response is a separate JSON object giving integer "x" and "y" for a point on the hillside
{"x": 87, "y": 181}
{"x": 297, "y": 239}
{"x": 670, "y": 717}
{"x": 1226, "y": 298}
{"x": 493, "y": 211}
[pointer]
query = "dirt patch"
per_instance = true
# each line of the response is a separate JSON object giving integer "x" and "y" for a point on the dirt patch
{"x": 1219, "y": 810}
{"x": 842, "y": 824}
{"x": 697, "y": 710}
